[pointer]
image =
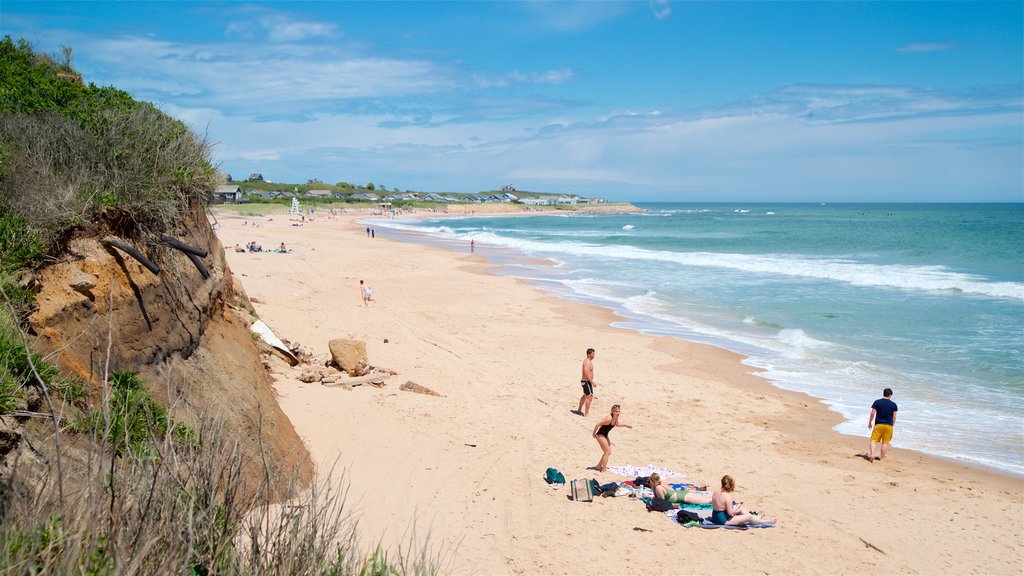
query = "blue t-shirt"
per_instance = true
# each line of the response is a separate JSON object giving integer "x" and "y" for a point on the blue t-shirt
{"x": 884, "y": 409}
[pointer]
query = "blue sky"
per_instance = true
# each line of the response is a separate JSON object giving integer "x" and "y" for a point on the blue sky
{"x": 687, "y": 101}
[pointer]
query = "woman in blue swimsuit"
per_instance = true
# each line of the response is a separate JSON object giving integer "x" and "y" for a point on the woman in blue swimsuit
{"x": 725, "y": 513}
{"x": 601, "y": 431}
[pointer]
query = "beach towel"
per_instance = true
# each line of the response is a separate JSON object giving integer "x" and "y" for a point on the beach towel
{"x": 705, "y": 522}
{"x": 635, "y": 471}
{"x": 711, "y": 525}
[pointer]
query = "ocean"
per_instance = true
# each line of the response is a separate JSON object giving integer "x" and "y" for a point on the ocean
{"x": 835, "y": 300}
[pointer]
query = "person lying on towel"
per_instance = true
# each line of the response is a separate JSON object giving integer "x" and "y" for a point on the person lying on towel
{"x": 677, "y": 496}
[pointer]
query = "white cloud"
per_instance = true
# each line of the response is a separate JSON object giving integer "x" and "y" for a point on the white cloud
{"x": 573, "y": 16}
{"x": 661, "y": 9}
{"x": 927, "y": 47}
{"x": 738, "y": 154}
{"x": 258, "y": 22}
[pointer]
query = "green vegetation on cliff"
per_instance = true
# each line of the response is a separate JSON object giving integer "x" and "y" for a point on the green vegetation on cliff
{"x": 144, "y": 495}
{"x": 72, "y": 155}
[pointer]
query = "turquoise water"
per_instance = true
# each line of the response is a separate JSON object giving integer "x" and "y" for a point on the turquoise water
{"x": 838, "y": 301}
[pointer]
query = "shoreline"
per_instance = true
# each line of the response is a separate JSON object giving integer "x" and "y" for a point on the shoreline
{"x": 505, "y": 354}
{"x": 830, "y": 419}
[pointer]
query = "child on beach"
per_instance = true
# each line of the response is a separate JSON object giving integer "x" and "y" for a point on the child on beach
{"x": 601, "y": 431}
{"x": 366, "y": 293}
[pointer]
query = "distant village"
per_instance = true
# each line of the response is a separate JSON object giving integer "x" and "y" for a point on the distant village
{"x": 255, "y": 189}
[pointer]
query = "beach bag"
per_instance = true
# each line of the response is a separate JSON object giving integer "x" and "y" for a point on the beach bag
{"x": 684, "y": 516}
{"x": 641, "y": 481}
{"x": 608, "y": 489}
{"x": 659, "y": 505}
{"x": 553, "y": 476}
{"x": 583, "y": 490}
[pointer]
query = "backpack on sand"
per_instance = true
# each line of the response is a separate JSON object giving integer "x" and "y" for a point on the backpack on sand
{"x": 684, "y": 516}
{"x": 553, "y": 476}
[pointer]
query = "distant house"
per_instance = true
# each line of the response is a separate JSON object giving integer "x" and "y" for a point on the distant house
{"x": 319, "y": 194}
{"x": 286, "y": 195}
{"x": 364, "y": 196}
{"x": 508, "y": 188}
{"x": 509, "y": 197}
{"x": 227, "y": 194}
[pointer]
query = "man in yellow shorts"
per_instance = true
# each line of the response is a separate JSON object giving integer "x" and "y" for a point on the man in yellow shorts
{"x": 883, "y": 414}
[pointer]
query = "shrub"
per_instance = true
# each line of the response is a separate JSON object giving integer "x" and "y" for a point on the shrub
{"x": 72, "y": 155}
{"x": 131, "y": 420}
{"x": 16, "y": 365}
{"x": 192, "y": 511}
{"x": 9, "y": 393}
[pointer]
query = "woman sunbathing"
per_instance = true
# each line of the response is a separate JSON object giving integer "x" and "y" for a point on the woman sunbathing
{"x": 725, "y": 513}
{"x": 677, "y": 496}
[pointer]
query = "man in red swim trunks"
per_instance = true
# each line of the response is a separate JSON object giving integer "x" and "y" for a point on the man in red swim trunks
{"x": 587, "y": 382}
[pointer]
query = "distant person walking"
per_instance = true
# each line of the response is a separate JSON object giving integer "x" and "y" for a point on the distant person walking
{"x": 472, "y": 246}
{"x": 367, "y": 231}
{"x": 601, "y": 431}
{"x": 373, "y": 232}
{"x": 883, "y": 414}
{"x": 366, "y": 293}
{"x": 587, "y": 382}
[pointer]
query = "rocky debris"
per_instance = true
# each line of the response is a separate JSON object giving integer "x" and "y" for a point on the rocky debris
{"x": 411, "y": 386}
{"x": 34, "y": 400}
{"x": 82, "y": 283}
{"x": 349, "y": 356}
{"x": 10, "y": 434}
{"x": 309, "y": 376}
{"x": 376, "y": 379}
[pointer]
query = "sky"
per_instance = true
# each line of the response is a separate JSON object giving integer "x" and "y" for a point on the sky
{"x": 628, "y": 101}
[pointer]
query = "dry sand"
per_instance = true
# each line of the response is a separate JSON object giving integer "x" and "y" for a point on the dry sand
{"x": 466, "y": 469}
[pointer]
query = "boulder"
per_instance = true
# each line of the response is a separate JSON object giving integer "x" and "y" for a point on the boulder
{"x": 349, "y": 356}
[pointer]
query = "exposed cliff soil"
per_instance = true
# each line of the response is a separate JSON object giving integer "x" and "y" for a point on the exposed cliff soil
{"x": 101, "y": 311}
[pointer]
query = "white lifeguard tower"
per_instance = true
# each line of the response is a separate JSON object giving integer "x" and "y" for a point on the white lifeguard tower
{"x": 296, "y": 208}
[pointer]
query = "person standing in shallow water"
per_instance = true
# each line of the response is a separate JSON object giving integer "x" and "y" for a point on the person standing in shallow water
{"x": 883, "y": 414}
{"x": 587, "y": 382}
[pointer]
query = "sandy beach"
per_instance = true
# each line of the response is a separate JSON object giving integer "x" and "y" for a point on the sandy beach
{"x": 462, "y": 473}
